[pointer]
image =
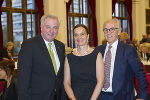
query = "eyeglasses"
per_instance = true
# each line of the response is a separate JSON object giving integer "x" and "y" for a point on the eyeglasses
{"x": 105, "y": 30}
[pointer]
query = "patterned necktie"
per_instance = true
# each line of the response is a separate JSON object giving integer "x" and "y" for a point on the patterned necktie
{"x": 52, "y": 57}
{"x": 107, "y": 65}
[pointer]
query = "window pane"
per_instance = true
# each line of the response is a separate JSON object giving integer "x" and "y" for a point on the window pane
{"x": 124, "y": 10}
{"x": 30, "y": 4}
{"x": 85, "y": 7}
{"x": 4, "y": 27}
{"x": 120, "y": 10}
{"x": 4, "y": 3}
{"x": 70, "y": 10}
{"x": 117, "y": 10}
{"x": 16, "y": 3}
{"x": 30, "y": 30}
{"x": 17, "y": 31}
{"x": 124, "y": 26}
{"x": 81, "y": 6}
{"x": 85, "y": 21}
{"x": 76, "y": 6}
{"x": 76, "y": 21}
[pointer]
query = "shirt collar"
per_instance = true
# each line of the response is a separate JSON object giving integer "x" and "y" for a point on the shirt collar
{"x": 49, "y": 42}
{"x": 114, "y": 44}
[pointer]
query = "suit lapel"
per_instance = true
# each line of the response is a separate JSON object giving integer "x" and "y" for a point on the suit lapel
{"x": 44, "y": 49}
{"x": 116, "y": 64}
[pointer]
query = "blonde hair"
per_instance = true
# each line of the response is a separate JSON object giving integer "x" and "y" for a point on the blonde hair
{"x": 125, "y": 35}
{"x": 10, "y": 43}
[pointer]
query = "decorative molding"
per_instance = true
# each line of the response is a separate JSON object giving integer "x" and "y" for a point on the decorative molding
{"x": 135, "y": 1}
{"x": 66, "y": 1}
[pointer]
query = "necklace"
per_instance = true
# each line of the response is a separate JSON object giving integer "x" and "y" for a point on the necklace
{"x": 84, "y": 53}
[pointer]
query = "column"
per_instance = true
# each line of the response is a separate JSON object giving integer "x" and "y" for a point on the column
{"x": 139, "y": 19}
{"x": 58, "y": 8}
{"x": 103, "y": 13}
{"x": 61, "y": 13}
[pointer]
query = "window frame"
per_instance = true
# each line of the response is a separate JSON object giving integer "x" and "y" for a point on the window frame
{"x": 24, "y": 10}
{"x": 121, "y": 18}
{"x": 80, "y": 15}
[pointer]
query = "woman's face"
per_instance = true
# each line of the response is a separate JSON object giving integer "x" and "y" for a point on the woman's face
{"x": 3, "y": 74}
{"x": 80, "y": 36}
{"x": 10, "y": 47}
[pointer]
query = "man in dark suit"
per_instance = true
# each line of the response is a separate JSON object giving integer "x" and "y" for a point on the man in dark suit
{"x": 144, "y": 53}
{"x": 123, "y": 65}
{"x": 144, "y": 39}
{"x": 6, "y": 53}
{"x": 40, "y": 73}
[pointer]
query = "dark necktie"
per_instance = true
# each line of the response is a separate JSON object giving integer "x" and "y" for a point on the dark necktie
{"x": 107, "y": 65}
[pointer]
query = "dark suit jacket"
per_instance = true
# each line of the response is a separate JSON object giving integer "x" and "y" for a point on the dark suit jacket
{"x": 36, "y": 75}
{"x": 4, "y": 53}
{"x": 127, "y": 65}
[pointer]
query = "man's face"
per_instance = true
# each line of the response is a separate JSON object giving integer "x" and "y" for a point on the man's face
{"x": 49, "y": 29}
{"x": 111, "y": 31}
{"x": 144, "y": 49}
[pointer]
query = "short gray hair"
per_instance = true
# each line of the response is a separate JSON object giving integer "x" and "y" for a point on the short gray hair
{"x": 114, "y": 20}
{"x": 49, "y": 16}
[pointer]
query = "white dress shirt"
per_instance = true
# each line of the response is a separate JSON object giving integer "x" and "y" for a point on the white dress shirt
{"x": 113, "y": 53}
{"x": 55, "y": 53}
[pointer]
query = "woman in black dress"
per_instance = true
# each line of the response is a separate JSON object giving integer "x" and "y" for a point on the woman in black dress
{"x": 84, "y": 68}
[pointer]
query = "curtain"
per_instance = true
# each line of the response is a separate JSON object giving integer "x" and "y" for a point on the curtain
{"x": 1, "y": 32}
{"x": 129, "y": 10}
{"x": 92, "y": 5}
{"x": 113, "y": 5}
{"x": 39, "y": 5}
{"x": 67, "y": 10}
{"x": 68, "y": 5}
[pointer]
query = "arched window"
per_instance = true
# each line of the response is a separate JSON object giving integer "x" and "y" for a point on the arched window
{"x": 79, "y": 13}
{"x": 18, "y": 21}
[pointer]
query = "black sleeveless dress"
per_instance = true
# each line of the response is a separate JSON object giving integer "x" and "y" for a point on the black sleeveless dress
{"x": 83, "y": 74}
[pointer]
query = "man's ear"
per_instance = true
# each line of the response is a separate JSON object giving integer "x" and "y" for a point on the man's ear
{"x": 119, "y": 32}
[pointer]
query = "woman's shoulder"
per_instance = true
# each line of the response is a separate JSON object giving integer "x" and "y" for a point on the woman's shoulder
{"x": 96, "y": 51}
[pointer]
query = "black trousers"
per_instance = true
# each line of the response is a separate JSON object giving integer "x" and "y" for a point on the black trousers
{"x": 53, "y": 96}
{"x": 107, "y": 96}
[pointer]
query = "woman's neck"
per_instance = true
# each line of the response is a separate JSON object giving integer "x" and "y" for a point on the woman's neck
{"x": 82, "y": 50}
